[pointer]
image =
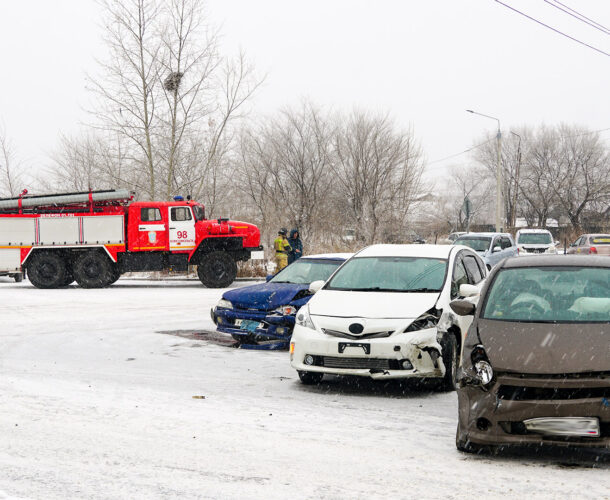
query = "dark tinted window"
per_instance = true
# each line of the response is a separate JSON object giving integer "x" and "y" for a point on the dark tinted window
{"x": 505, "y": 242}
{"x": 473, "y": 269}
{"x": 150, "y": 214}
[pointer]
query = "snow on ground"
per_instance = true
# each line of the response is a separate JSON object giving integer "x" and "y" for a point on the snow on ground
{"x": 96, "y": 403}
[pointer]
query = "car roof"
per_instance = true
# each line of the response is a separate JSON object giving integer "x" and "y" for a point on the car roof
{"x": 557, "y": 260}
{"x": 415, "y": 250}
{"x": 488, "y": 234}
{"x": 330, "y": 256}
{"x": 533, "y": 231}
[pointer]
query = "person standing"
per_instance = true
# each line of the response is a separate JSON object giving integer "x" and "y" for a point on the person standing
{"x": 296, "y": 245}
{"x": 282, "y": 250}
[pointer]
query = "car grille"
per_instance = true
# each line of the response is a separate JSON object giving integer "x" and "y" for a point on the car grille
{"x": 516, "y": 393}
{"x": 344, "y": 335}
{"x": 358, "y": 363}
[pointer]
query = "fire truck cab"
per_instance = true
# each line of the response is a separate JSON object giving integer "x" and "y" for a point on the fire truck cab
{"x": 94, "y": 237}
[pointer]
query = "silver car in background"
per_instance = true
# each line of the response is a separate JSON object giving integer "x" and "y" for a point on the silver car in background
{"x": 492, "y": 247}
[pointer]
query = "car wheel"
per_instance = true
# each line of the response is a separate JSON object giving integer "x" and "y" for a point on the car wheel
{"x": 93, "y": 269}
{"x": 450, "y": 360}
{"x": 47, "y": 270}
{"x": 310, "y": 378}
{"x": 217, "y": 270}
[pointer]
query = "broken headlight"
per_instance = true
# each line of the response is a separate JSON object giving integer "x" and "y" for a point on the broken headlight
{"x": 481, "y": 365}
{"x": 427, "y": 320}
{"x": 225, "y": 304}
{"x": 286, "y": 310}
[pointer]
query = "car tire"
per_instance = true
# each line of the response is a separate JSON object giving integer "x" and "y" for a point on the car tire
{"x": 92, "y": 269}
{"x": 450, "y": 357}
{"x": 310, "y": 378}
{"x": 217, "y": 270}
{"x": 47, "y": 269}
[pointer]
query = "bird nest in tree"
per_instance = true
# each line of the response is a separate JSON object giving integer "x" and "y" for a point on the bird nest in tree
{"x": 172, "y": 82}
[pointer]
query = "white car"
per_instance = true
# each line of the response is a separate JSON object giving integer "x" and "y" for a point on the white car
{"x": 385, "y": 314}
{"x": 535, "y": 241}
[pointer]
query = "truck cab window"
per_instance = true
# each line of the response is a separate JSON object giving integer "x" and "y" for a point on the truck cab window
{"x": 199, "y": 212}
{"x": 181, "y": 214}
{"x": 150, "y": 214}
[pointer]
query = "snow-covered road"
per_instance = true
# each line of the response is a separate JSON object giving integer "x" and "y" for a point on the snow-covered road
{"x": 96, "y": 403}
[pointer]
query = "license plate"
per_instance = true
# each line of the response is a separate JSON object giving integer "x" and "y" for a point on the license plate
{"x": 248, "y": 325}
{"x": 564, "y": 426}
{"x": 357, "y": 345}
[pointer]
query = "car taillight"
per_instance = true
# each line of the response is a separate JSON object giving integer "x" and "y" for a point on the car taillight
{"x": 592, "y": 250}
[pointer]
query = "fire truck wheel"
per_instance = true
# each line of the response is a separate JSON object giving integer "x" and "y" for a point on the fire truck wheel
{"x": 116, "y": 274}
{"x": 47, "y": 270}
{"x": 93, "y": 270}
{"x": 217, "y": 270}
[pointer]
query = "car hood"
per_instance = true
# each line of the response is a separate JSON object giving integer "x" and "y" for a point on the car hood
{"x": 546, "y": 348}
{"x": 266, "y": 296}
{"x": 344, "y": 304}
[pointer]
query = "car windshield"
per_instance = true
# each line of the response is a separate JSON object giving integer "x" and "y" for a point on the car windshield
{"x": 600, "y": 240}
{"x": 199, "y": 212}
{"x": 390, "y": 274}
{"x": 550, "y": 294}
{"x": 478, "y": 243}
{"x": 305, "y": 271}
{"x": 535, "y": 239}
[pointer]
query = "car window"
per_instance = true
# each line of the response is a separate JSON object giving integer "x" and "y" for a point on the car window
{"x": 181, "y": 214}
{"x": 505, "y": 242}
{"x": 555, "y": 294}
{"x": 305, "y": 271}
{"x": 603, "y": 239}
{"x": 150, "y": 214}
{"x": 582, "y": 241}
{"x": 390, "y": 274}
{"x": 535, "y": 239}
{"x": 497, "y": 242}
{"x": 460, "y": 277}
{"x": 474, "y": 272}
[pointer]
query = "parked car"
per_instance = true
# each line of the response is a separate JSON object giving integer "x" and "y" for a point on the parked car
{"x": 454, "y": 236}
{"x": 536, "y": 360}
{"x": 385, "y": 314}
{"x": 492, "y": 247}
{"x": 534, "y": 241}
{"x": 590, "y": 244}
{"x": 266, "y": 311}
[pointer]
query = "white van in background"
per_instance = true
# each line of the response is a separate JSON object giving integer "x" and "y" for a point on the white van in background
{"x": 533, "y": 241}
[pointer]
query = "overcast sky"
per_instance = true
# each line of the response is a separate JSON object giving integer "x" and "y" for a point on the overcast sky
{"x": 425, "y": 61}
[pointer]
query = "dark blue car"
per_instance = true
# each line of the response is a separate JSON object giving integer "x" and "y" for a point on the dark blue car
{"x": 266, "y": 311}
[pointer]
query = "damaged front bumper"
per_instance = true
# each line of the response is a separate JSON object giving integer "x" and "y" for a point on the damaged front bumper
{"x": 259, "y": 324}
{"x": 502, "y": 413}
{"x": 403, "y": 355}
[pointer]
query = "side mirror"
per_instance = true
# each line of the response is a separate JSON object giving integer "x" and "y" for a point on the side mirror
{"x": 497, "y": 249}
{"x": 314, "y": 286}
{"x": 462, "y": 307}
{"x": 269, "y": 277}
{"x": 467, "y": 290}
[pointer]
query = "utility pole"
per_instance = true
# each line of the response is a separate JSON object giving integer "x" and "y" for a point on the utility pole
{"x": 516, "y": 193}
{"x": 499, "y": 202}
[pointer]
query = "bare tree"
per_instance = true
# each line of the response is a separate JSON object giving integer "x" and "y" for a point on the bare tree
{"x": 11, "y": 170}
{"x": 378, "y": 171}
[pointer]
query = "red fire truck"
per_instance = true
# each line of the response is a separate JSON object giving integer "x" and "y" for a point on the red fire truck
{"x": 93, "y": 237}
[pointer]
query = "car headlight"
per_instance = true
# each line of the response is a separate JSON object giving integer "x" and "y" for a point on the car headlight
{"x": 427, "y": 320}
{"x": 286, "y": 310}
{"x": 225, "y": 304}
{"x": 484, "y": 372}
{"x": 304, "y": 319}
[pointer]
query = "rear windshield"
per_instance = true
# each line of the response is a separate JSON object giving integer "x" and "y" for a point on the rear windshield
{"x": 550, "y": 294}
{"x": 478, "y": 244}
{"x": 535, "y": 239}
{"x": 305, "y": 271}
{"x": 600, "y": 240}
{"x": 390, "y": 274}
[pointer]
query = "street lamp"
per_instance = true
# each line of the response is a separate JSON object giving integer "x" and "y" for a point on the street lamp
{"x": 499, "y": 204}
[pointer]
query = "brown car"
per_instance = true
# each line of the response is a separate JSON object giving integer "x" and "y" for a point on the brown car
{"x": 591, "y": 244}
{"x": 536, "y": 361}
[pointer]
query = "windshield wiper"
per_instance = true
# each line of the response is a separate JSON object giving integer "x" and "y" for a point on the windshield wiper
{"x": 422, "y": 290}
{"x": 281, "y": 282}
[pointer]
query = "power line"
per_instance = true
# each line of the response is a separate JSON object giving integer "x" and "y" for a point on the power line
{"x": 580, "y": 16}
{"x": 553, "y": 29}
{"x": 458, "y": 154}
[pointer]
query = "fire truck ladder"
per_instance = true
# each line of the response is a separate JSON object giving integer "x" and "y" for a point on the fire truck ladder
{"x": 57, "y": 203}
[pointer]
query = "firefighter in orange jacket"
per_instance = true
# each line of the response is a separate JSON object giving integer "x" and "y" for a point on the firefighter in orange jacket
{"x": 282, "y": 249}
